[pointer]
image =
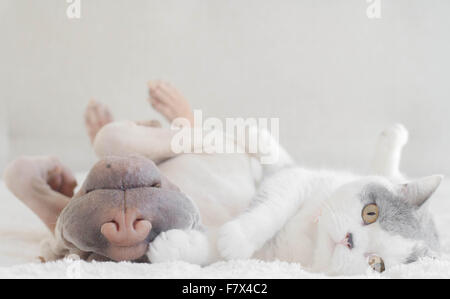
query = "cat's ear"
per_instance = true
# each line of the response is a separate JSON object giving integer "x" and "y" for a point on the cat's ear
{"x": 419, "y": 191}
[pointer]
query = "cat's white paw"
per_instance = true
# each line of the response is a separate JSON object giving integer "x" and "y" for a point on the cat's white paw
{"x": 395, "y": 136}
{"x": 233, "y": 243}
{"x": 167, "y": 246}
{"x": 178, "y": 245}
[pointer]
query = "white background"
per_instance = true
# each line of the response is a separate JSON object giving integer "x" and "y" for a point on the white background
{"x": 334, "y": 77}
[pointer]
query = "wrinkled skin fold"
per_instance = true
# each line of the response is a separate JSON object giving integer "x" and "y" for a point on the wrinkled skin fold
{"x": 114, "y": 187}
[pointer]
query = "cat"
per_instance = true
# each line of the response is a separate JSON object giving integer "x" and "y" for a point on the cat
{"x": 331, "y": 222}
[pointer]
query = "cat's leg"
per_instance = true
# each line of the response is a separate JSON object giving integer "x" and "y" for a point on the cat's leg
{"x": 261, "y": 144}
{"x": 388, "y": 152}
{"x": 43, "y": 184}
{"x": 278, "y": 198}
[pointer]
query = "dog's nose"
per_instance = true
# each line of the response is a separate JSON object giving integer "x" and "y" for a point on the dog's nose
{"x": 126, "y": 228}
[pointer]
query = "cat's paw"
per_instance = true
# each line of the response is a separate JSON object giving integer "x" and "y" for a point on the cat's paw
{"x": 394, "y": 136}
{"x": 233, "y": 243}
{"x": 168, "y": 246}
{"x": 178, "y": 245}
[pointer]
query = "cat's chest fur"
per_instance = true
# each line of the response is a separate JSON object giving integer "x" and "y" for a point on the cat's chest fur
{"x": 296, "y": 241}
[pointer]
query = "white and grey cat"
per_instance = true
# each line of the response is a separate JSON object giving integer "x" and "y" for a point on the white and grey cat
{"x": 332, "y": 222}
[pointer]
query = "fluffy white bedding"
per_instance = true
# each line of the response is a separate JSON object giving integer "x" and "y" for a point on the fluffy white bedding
{"x": 21, "y": 232}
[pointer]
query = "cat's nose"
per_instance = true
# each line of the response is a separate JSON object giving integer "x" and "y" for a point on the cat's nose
{"x": 348, "y": 241}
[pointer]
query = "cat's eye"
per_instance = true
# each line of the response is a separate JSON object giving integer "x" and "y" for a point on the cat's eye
{"x": 376, "y": 263}
{"x": 370, "y": 214}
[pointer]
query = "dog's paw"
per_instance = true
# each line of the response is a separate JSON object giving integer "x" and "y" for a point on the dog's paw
{"x": 233, "y": 243}
{"x": 178, "y": 245}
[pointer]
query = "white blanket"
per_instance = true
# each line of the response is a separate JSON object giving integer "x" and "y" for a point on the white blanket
{"x": 21, "y": 232}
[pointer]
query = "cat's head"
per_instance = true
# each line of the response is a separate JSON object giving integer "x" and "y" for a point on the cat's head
{"x": 374, "y": 223}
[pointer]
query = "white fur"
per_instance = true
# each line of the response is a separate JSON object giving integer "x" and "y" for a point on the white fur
{"x": 292, "y": 214}
{"x": 173, "y": 245}
{"x": 386, "y": 161}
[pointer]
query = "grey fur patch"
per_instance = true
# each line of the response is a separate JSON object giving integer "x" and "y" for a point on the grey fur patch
{"x": 417, "y": 253}
{"x": 401, "y": 218}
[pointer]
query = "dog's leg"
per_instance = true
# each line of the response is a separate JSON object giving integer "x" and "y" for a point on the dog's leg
{"x": 43, "y": 184}
{"x": 146, "y": 138}
{"x": 388, "y": 152}
{"x": 128, "y": 138}
{"x": 96, "y": 116}
{"x": 168, "y": 101}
